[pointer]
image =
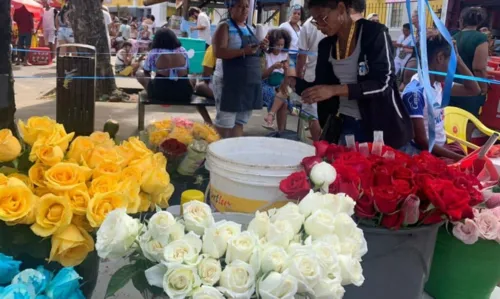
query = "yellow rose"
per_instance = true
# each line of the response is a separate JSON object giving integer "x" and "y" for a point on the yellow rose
{"x": 165, "y": 124}
{"x": 37, "y": 174}
{"x": 30, "y": 218}
{"x": 102, "y": 139}
{"x": 80, "y": 148}
{"x": 145, "y": 202}
{"x": 16, "y": 200}
{"x": 104, "y": 184}
{"x": 71, "y": 246}
{"x": 53, "y": 214}
{"x": 159, "y": 161}
{"x": 161, "y": 199}
{"x": 131, "y": 172}
{"x": 157, "y": 137}
{"x": 212, "y": 138}
{"x": 10, "y": 148}
{"x": 140, "y": 149}
{"x": 65, "y": 176}
{"x": 3, "y": 179}
{"x": 36, "y": 126}
{"x": 82, "y": 222}
{"x": 107, "y": 168}
{"x": 48, "y": 155}
{"x": 125, "y": 153}
{"x": 58, "y": 137}
{"x": 143, "y": 163}
{"x": 41, "y": 191}
{"x": 182, "y": 135}
{"x": 103, "y": 203}
{"x": 132, "y": 189}
{"x": 102, "y": 154}
{"x": 79, "y": 199}
{"x": 155, "y": 180}
{"x": 200, "y": 131}
{"x": 22, "y": 177}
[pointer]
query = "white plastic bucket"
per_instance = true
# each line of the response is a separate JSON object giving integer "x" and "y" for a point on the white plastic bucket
{"x": 245, "y": 172}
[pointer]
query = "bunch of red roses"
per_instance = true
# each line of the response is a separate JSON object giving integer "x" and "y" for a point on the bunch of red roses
{"x": 392, "y": 189}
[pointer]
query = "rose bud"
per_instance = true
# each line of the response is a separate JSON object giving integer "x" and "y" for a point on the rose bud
{"x": 493, "y": 201}
{"x": 410, "y": 209}
{"x": 309, "y": 162}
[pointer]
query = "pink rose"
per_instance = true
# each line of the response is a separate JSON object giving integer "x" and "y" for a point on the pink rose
{"x": 466, "y": 232}
{"x": 496, "y": 212}
{"x": 493, "y": 201}
{"x": 488, "y": 225}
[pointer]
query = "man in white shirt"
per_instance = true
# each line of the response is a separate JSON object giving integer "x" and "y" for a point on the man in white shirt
{"x": 202, "y": 25}
{"x": 309, "y": 39}
{"x": 48, "y": 24}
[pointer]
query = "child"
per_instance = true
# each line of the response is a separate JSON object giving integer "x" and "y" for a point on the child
{"x": 275, "y": 67}
{"x": 414, "y": 98}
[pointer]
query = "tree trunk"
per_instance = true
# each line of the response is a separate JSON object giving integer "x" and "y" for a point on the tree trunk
{"x": 7, "y": 101}
{"x": 88, "y": 27}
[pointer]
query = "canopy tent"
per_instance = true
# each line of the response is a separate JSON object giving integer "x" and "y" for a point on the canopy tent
{"x": 32, "y": 6}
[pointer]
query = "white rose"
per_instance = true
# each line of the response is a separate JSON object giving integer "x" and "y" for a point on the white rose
{"x": 151, "y": 248}
{"x": 216, "y": 237}
{"x": 327, "y": 255}
{"x": 237, "y": 280}
{"x": 197, "y": 216}
{"x": 351, "y": 271}
{"x": 280, "y": 233}
{"x": 329, "y": 288}
{"x": 291, "y": 213}
{"x": 319, "y": 224}
{"x": 306, "y": 267}
{"x": 176, "y": 232}
{"x": 344, "y": 204}
{"x": 323, "y": 174}
{"x": 344, "y": 226}
{"x": 354, "y": 245}
{"x": 241, "y": 247}
{"x": 209, "y": 271}
{"x": 117, "y": 234}
{"x": 207, "y": 292}
{"x": 333, "y": 241}
{"x": 180, "y": 281}
{"x": 278, "y": 286}
{"x": 274, "y": 258}
{"x": 159, "y": 225}
{"x": 155, "y": 275}
{"x": 185, "y": 250}
{"x": 259, "y": 224}
{"x": 335, "y": 203}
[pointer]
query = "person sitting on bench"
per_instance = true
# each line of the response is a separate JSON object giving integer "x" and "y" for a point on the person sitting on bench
{"x": 125, "y": 64}
{"x": 170, "y": 61}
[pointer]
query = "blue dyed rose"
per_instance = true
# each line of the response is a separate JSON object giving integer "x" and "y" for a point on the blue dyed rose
{"x": 32, "y": 277}
{"x": 48, "y": 274}
{"x": 41, "y": 297}
{"x": 18, "y": 291}
{"x": 77, "y": 295}
{"x": 8, "y": 269}
{"x": 64, "y": 284}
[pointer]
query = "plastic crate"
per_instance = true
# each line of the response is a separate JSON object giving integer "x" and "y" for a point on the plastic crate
{"x": 40, "y": 56}
{"x": 196, "y": 51}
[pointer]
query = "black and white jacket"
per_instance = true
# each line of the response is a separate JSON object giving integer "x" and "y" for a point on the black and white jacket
{"x": 377, "y": 94}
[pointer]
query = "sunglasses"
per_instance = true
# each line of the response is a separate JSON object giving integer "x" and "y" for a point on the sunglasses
{"x": 323, "y": 20}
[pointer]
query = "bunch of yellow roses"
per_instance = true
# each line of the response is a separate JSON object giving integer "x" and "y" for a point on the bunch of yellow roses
{"x": 183, "y": 130}
{"x": 74, "y": 183}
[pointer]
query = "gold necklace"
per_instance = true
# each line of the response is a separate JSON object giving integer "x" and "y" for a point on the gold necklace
{"x": 349, "y": 40}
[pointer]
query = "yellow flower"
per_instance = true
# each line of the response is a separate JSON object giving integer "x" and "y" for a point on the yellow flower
{"x": 155, "y": 180}
{"x": 132, "y": 189}
{"x": 3, "y": 179}
{"x": 79, "y": 199}
{"x": 36, "y": 126}
{"x": 138, "y": 147}
{"x": 157, "y": 137}
{"x": 65, "y": 176}
{"x": 143, "y": 163}
{"x": 182, "y": 135}
{"x": 145, "y": 202}
{"x": 71, "y": 246}
{"x": 48, "y": 155}
{"x": 82, "y": 222}
{"x": 41, "y": 191}
{"x": 37, "y": 174}
{"x": 104, "y": 184}
{"x": 102, "y": 139}
{"x": 159, "y": 161}
{"x": 103, "y": 203}
{"x": 200, "y": 131}
{"x": 58, "y": 137}
{"x": 212, "y": 138}
{"x": 161, "y": 199}
{"x": 102, "y": 154}
{"x": 125, "y": 153}
{"x": 165, "y": 124}
{"x": 10, "y": 148}
{"x": 107, "y": 168}
{"x": 53, "y": 214}
{"x": 24, "y": 178}
{"x": 131, "y": 172}
{"x": 80, "y": 148}
{"x": 16, "y": 200}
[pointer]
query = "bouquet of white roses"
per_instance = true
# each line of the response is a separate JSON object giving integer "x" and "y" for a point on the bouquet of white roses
{"x": 312, "y": 250}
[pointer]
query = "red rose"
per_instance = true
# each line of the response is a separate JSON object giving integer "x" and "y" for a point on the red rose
{"x": 382, "y": 175}
{"x": 393, "y": 221}
{"x": 404, "y": 188}
{"x": 334, "y": 151}
{"x": 172, "y": 148}
{"x": 403, "y": 173}
{"x": 309, "y": 162}
{"x": 432, "y": 217}
{"x": 364, "y": 207}
{"x": 321, "y": 147}
{"x": 347, "y": 181}
{"x": 447, "y": 198}
{"x": 295, "y": 186}
{"x": 386, "y": 199}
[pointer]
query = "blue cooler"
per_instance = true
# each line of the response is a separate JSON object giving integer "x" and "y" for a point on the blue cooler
{"x": 196, "y": 51}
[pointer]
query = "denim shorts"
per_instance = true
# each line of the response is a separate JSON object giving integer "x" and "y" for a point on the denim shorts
{"x": 223, "y": 119}
{"x": 65, "y": 34}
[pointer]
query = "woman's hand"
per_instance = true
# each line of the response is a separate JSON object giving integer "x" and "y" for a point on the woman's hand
{"x": 264, "y": 44}
{"x": 250, "y": 49}
{"x": 277, "y": 65}
{"x": 319, "y": 93}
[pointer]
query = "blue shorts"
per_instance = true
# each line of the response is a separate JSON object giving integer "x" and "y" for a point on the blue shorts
{"x": 223, "y": 119}
{"x": 293, "y": 60}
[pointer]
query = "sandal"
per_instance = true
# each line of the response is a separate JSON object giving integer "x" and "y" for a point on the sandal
{"x": 269, "y": 121}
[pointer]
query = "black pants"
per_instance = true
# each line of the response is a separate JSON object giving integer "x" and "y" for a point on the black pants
{"x": 166, "y": 90}
{"x": 23, "y": 43}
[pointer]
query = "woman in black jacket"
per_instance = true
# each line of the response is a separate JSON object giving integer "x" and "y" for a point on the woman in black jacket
{"x": 355, "y": 79}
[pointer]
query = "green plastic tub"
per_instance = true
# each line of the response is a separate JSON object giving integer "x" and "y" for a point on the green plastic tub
{"x": 196, "y": 49}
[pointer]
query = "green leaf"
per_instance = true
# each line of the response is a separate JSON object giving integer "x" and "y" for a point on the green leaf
{"x": 7, "y": 170}
{"x": 23, "y": 162}
{"x": 121, "y": 278}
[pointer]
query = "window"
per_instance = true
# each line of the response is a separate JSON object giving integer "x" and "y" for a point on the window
{"x": 398, "y": 11}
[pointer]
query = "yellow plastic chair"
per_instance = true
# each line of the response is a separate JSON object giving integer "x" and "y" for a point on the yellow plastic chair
{"x": 455, "y": 125}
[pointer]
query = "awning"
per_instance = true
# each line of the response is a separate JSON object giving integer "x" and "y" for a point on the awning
{"x": 32, "y": 6}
